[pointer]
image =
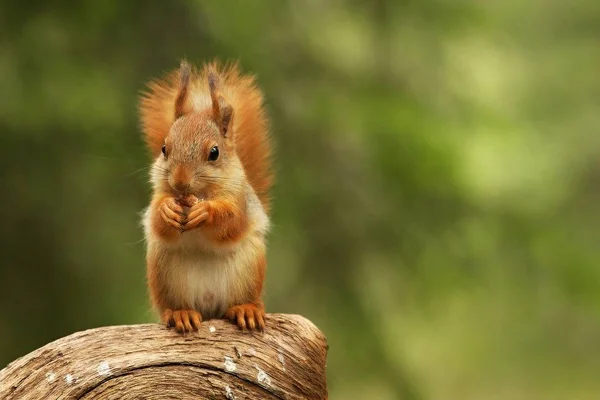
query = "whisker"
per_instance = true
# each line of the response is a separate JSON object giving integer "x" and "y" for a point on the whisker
{"x": 222, "y": 182}
{"x": 136, "y": 171}
{"x": 207, "y": 177}
{"x": 225, "y": 183}
{"x": 159, "y": 168}
{"x": 136, "y": 242}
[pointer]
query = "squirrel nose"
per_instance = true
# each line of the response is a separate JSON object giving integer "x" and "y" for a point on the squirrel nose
{"x": 181, "y": 186}
{"x": 180, "y": 180}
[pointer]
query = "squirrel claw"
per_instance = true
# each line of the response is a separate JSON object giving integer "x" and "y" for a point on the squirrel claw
{"x": 182, "y": 320}
{"x": 248, "y": 316}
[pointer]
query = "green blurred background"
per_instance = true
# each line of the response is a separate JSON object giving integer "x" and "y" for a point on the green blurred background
{"x": 436, "y": 212}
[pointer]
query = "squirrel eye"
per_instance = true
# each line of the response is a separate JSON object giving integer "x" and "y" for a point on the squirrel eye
{"x": 164, "y": 150}
{"x": 214, "y": 154}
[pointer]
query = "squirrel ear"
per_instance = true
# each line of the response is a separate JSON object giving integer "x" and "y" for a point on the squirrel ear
{"x": 184, "y": 82}
{"x": 226, "y": 118}
{"x": 222, "y": 111}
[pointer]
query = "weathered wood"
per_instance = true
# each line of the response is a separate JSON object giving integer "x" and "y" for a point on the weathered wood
{"x": 287, "y": 361}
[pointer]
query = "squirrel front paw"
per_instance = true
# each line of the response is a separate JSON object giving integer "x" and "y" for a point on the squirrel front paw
{"x": 182, "y": 320}
{"x": 248, "y": 315}
{"x": 172, "y": 213}
{"x": 198, "y": 214}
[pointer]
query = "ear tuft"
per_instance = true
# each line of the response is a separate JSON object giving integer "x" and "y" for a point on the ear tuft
{"x": 222, "y": 111}
{"x": 184, "y": 82}
{"x": 212, "y": 82}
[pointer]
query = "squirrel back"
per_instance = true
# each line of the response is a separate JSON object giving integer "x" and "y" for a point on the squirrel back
{"x": 252, "y": 143}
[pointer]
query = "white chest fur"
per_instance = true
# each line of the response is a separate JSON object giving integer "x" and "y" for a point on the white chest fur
{"x": 196, "y": 275}
{"x": 209, "y": 282}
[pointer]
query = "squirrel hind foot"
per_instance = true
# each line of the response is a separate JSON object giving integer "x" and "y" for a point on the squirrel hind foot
{"x": 184, "y": 321}
{"x": 247, "y": 316}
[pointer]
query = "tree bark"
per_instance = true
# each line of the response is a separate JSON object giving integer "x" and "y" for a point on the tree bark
{"x": 286, "y": 361}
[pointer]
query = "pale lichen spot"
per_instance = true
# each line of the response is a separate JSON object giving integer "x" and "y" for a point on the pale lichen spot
{"x": 262, "y": 376}
{"x": 103, "y": 368}
{"x": 281, "y": 360}
{"x": 212, "y": 329}
{"x": 69, "y": 379}
{"x": 229, "y": 364}
{"x": 229, "y": 393}
{"x": 50, "y": 377}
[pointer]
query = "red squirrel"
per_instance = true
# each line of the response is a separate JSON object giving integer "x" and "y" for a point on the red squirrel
{"x": 207, "y": 220}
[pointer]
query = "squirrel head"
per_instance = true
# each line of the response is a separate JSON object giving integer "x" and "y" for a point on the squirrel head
{"x": 198, "y": 155}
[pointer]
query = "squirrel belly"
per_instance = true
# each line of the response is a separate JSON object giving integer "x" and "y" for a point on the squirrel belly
{"x": 191, "y": 273}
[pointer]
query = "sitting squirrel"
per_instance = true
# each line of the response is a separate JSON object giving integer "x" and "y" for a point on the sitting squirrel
{"x": 206, "y": 224}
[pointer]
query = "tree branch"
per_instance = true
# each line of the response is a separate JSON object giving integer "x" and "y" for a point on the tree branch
{"x": 287, "y": 361}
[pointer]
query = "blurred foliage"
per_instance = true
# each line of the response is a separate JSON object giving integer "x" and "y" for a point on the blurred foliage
{"x": 438, "y": 180}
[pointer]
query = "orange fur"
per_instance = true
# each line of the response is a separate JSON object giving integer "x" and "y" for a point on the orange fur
{"x": 226, "y": 220}
{"x": 206, "y": 224}
{"x": 252, "y": 314}
{"x": 261, "y": 266}
{"x": 158, "y": 293}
